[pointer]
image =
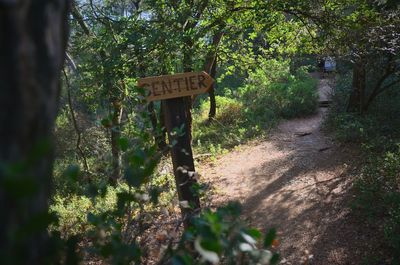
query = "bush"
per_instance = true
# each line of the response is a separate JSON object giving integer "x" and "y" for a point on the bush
{"x": 219, "y": 236}
{"x": 377, "y": 190}
{"x": 271, "y": 92}
{"x": 378, "y": 128}
{"x": 229, "y": 110}
{"x": 285, "y": 94}
{"x": 223, "y": 129}
{"x": 72, "y": 210}
{"x": 378, "y": 198}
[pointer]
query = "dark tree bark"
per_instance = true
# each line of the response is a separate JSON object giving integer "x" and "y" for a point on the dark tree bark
{"x": 210, "y": 67}
{"x": 357, "y": 96}
{"x": 176, "y": 117}
{"x": 33, "y": 37}
{"x": 78, "y": 132}
{"x": 115, "y": 136}
{"x": 379, "y": 87}
{"x": 211, "y": 93}
{"x": 187, "y": 67}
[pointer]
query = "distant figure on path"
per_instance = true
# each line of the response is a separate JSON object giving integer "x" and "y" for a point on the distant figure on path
{"x": 329, "y": 65}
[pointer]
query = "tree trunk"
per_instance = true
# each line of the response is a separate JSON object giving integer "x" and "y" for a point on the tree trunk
{"x": 357, "y": 96}
{"x": 115, "y": 136}
{"x": 211, "y": 93}
{"x": 210, "y": 67}
{"x": 379, "y": 87}
{"x": 182, "y": 156}
{"x": 78, "y": 132}
{"x": 33, "y": 37}
{"x": 187, "y": 67}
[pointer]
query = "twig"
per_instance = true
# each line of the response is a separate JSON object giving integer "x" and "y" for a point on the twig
{"x": 202, "y": 155}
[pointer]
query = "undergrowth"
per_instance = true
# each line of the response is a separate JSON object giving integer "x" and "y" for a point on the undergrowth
{"x": 377, "y": 188}
{"x": 270, "y": 93}
{"x": 124, "y": 223}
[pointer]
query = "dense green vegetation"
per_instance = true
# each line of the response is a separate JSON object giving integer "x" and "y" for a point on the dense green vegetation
{"x": 270, "y": 93}
{"x": 112, "y": 196}
{"x": 377, "y": 186}
{"x": 112, "y": 186}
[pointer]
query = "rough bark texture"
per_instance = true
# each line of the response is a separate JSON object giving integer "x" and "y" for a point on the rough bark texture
{"x": 33, "y": 36}
{"x": 357, "y": 96}
{"x": 176, "y": 117}
{"x": 211, "y": 92}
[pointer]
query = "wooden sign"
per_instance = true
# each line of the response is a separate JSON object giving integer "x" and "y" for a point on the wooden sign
{"x": 177, "y": 85}
{"x": 172, "y": 89}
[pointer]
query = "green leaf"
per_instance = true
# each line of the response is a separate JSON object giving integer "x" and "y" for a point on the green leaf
{"x": 155, "y": 194}
{"x": 134, "y": 176}
{"x": 269, "y": 238}
{"x": 211, "y": 244}
{"x": 37, "y": 223}
{"x": 123, "y": 199}
{"x": 254, "y": 233}
{"x": 123, "y": 143}
{"x": 19, "y": 187}
{"x": 106, "y": 122}
{"x": 274, "y": 259}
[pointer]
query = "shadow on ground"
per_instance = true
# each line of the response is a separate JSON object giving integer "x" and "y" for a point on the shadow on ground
{"x": 298, "y": 181}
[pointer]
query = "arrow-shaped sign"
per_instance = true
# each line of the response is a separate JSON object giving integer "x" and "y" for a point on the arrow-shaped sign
{"x": 177, "y": 85}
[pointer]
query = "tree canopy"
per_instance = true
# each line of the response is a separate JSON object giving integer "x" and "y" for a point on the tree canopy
{"x": 101, "y": 165}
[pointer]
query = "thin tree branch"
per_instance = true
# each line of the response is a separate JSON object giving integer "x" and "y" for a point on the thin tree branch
{"x": 81, "y": 153}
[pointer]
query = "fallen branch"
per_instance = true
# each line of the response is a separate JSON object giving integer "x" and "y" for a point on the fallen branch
{"x": 302, "y": 134}
{"x": 201, "y": 155}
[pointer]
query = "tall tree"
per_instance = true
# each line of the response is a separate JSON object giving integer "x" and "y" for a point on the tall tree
{"x": 33, "y": 37}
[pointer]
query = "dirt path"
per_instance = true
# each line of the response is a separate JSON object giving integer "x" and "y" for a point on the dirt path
{"x": 297, "y": 181}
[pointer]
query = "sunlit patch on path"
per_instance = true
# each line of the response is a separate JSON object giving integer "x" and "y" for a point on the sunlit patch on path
{"x": 298, "y": 180}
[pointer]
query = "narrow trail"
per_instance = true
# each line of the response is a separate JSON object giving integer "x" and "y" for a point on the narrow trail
{"x": 298, "y": 181}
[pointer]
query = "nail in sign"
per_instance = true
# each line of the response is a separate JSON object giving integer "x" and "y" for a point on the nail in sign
{"x": 177, "y": 85}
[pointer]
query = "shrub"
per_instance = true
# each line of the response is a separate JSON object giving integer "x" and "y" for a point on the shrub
{"x": 229, "y": 110}
{"x": 377, "y": 190}
{"x": 72, "y": 210}
{"x": 378, "y": 198}
{"x": 284, "y": 94}
{"x": 270, "y": 92}
{"x": 377, "y": 128}
{"x": 208, "y": 137}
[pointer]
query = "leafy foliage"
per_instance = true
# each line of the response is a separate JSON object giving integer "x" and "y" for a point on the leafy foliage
{"x": 271, "y": 92}
{"x": 376, "y": 188}
{"x": 112, "y": 205}
{"x": 378, "y": 198}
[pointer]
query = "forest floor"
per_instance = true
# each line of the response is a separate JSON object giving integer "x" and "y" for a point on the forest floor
{"x": 298, "y": 181}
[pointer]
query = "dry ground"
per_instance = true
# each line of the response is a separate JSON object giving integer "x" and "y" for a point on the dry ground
{"x": 299, "y": 182}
